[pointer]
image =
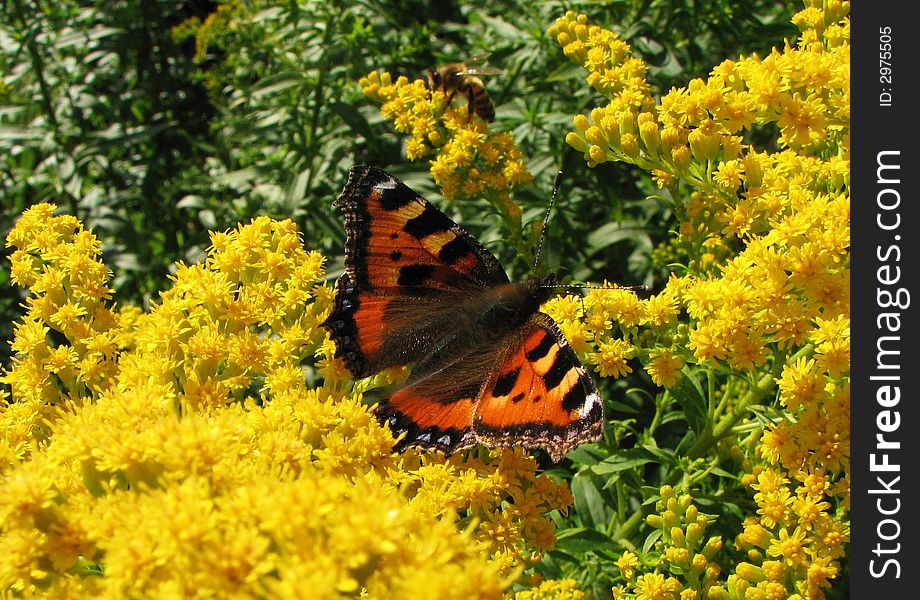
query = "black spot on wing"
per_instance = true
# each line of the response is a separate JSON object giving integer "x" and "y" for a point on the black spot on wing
{"x": 430, "y": 221}
{"x": 454, "y": 250}
{"x": 574, "y": 398}
{"x": 414, "y": 275}
{"x": 395, "y": 255}
{"x": 395, "y": 194}
{"x": 557, "y": 372}
{"x": 505, "y": 383}
{"x": 518, "y": 397}
{"x": 542, "y": 348}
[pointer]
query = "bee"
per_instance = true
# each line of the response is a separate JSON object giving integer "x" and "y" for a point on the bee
{"x": 463, "y": 78}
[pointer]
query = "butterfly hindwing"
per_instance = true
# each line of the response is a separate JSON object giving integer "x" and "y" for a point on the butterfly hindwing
{"x": 539, "y": 395}
{"x": 429, "y": 422}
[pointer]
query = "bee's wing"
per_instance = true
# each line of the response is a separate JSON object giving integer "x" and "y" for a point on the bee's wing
{"x": 479, "y": 71}
{"x": 477, "y": 58}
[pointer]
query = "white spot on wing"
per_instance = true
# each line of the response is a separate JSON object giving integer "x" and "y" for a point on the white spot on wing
{"x": 387, "y": 184}
{"x": 591, "y": 401}
{"x": 425, "y": 438}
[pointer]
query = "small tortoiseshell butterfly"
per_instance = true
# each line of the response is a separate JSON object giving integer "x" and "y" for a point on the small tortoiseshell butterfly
{"x": 486, "y": 365}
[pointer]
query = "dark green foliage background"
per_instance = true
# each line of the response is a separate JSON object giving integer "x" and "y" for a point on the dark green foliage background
{"x": 107, "y": 113}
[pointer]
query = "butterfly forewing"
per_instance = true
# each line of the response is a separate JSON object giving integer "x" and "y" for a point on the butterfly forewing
{"x": 398, "y": 243}
{"x": 406, "y": 264}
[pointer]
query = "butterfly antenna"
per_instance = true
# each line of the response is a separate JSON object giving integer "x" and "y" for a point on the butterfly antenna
{"x": 552, "y": 201}
{"x": 588, "y": 286}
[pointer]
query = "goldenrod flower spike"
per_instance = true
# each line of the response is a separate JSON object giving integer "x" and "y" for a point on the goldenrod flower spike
{"x": 761, "y": 300}
{"x": 190, "y": 435}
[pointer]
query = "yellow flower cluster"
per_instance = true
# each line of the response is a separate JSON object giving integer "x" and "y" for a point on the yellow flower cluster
{"x": 58, "y": 261}
{"x": 552, "y": 589}
{"x": 469, "y": 160}
{"x": 192, "y": 454}
{"x": 604, "y": 328}
{"x": 683, "y": 548}
{"x": 695, "y": 132}
{"x": 793, "y": 548}
{"x": 796, "y": 555}
{"x": 793, "y": 544}
{"x": 762, "y": 304}
{"x": 617, "y": 131}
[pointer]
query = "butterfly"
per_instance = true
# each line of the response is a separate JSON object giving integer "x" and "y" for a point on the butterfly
{"x": 486, "y": 365}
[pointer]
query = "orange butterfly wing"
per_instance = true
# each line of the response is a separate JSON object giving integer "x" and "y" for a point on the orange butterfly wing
{"x": 404, "y": 259}
{"x": 416, "y": 291}
{"x": 539, "y": 395}
{"x": 429, "y": 420}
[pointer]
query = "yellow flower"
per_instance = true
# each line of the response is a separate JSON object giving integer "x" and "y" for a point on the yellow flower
{"x": 627, "y": 564}
{"x": 654, "y": 586}
{"x": 552, "y": 589}
{"x": 664, "y": 367}
{"x": 808, "y": 509}
{"x": 616, "y": 304}
{"x": 774, "y": 507}
{"x": 800, "y": 384}
{"x": 832, "y": 338}
{"x": 611, "y": 358}
{"x": 469, "y": 161}
{"x": 789, "y": 546}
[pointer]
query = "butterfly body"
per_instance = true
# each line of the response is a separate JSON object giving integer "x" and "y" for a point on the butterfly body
{"x": 486, "y": 365}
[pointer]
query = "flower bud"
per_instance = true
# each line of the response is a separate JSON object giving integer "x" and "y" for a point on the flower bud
{"x": 678, "y": 538}
{"x": 648, "y": 133}
{"x": 595, "y": 136}
{"x": 596, "y": 154}
{"x": 750, "y": 572}
{"x": 630, "y": 145}
{"x": 576, "y": 141}
{"x": 681, "y": 157}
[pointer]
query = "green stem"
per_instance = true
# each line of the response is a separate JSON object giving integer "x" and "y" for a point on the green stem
{"x": 621, "y": 502}
{"x": 630, "y": 526}
{"x": 755, "y": 395}
{"x": 723, "y": 403}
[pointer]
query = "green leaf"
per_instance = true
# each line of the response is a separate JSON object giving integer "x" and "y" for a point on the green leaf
{"x": 650, "y": 540}
{"x": 579, "y": 540}
{"x": 619, "y": 406}
{"x": 624, "y": 459}
{"x": 353, "y": 118}
{"x": 586, "y": 455}
{"x": 611, "y": 233}
{"x": 664, "y": 456}
{"x": 589, "y": 502}
{"x": 19, "y": 134}
{"x": 192, "y": 202}
{"x": 689, "y": 395}
{"x": 276, "y": 83}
